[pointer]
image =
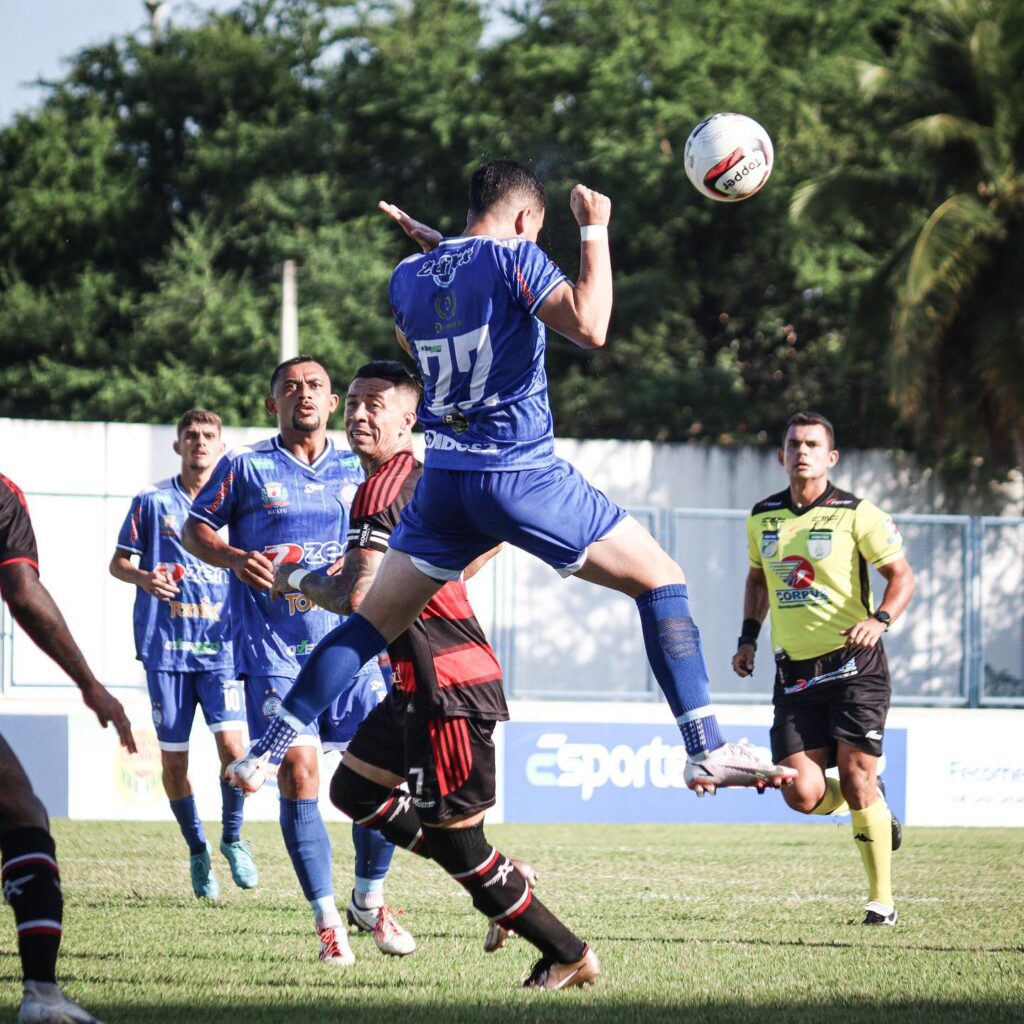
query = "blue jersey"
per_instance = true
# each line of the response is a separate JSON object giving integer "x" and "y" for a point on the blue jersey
{"x": 191, "y": 632}
{"x": 468, "y": 310}
{"x": 292, "y": 511}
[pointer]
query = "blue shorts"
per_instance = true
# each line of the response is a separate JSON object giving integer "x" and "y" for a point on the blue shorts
{"x": 175, "y": 695}
{"x": 336, "y": 725}
{"x": 457, "y": 515}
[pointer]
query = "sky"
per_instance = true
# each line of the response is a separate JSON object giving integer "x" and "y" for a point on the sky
{"x": 36, "y": 37}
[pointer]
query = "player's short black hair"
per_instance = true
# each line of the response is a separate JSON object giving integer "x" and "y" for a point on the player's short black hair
{"x": 499, "y": 180}
{"x": 810, "y": 419}
{"x": 392, "y": 370}
{"x": 295, "y": 361}
{"x": 198, "y": 416}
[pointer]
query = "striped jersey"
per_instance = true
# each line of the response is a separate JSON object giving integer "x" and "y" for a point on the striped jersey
{"x": 192, "y": 631}
{"x": 444, "y": 658}
{"x": 468, "y": 310}
{"x": 815, "y": 561}
{"x": 17, "y": 538}
{"x": 292, "y": 511}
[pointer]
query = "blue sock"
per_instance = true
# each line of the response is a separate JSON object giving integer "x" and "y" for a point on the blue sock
{"x": 330, "y": 669}
{"x": 373, "y": 858}
{"x": 232, "y": 801}
{"x": 677, "y": 660}
{"x": 308, "y": 845}
{"x": 188, "y": 820}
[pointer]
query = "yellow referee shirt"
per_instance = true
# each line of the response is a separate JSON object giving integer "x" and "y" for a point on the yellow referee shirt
{"x": 815, "y": 562}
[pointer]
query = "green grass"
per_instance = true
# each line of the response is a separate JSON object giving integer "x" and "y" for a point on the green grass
{"x": 692, "y": 924}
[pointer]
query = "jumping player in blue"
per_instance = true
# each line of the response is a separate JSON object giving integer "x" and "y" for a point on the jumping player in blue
{"x": 286, "y": 500}
{"x": 472, "y": 312}
{"x": 182, "y": 638}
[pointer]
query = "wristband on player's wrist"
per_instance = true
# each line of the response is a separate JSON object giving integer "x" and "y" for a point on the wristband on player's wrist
{"x": 594, "y": 233}
{"x": 749, "y": 632}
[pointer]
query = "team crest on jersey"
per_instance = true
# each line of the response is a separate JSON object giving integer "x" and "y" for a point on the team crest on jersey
{"x": 444, "y": 268}
{"x": 169, "y": 525}
{"x": 274, "y": 495}
{"x": 271, "y": 706}
{"x": 819, "y": 544}
{"x": 769, "y": 544}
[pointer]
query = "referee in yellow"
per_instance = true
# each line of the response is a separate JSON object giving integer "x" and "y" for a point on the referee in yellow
{"x": 809, "y": 548}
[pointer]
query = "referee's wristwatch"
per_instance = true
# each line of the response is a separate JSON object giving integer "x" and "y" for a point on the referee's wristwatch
{"x": 884, "y": 618}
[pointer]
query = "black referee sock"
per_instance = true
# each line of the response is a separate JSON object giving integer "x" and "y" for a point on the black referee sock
{"x": 31, "y": 883}
{"x": 500, "y": 892}
{"x": 389, "y": 811}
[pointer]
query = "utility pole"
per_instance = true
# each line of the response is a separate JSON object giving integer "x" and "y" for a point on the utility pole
{"x": 289, "y": 312}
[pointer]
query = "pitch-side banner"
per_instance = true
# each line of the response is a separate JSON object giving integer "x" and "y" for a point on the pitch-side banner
{"x": 596, "y": 772}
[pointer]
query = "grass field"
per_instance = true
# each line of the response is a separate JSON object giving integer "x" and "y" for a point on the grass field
{"x": 692, "y": 923}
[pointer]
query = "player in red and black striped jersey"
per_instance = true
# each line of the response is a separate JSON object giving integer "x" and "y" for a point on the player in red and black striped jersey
{"x": 31, "y": 880}
{"x": 434, "y": 732}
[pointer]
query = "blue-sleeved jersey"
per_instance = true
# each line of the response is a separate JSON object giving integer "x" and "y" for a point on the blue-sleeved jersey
{"x": 292, "y": 511}
{"x": 468, "y": 311}
{"x": 191, "y": 632}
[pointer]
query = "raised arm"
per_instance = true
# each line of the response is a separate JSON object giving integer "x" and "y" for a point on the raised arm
{"x": 37, "y": 613}
{"x": 582, "y": 313}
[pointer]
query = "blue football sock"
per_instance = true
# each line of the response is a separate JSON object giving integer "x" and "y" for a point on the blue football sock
{"x": 188, "y": 820}
{"x": 674, "y": 651}
{"x": 308, "y": 845}
{"x": 232, "y": 802}
{"x": 373, "y": 858}
{"x": 329, "y": 670}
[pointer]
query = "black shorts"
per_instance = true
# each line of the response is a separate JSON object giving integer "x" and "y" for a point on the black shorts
{"x": 843, "y": 695}
{"x": 448, "y": 763}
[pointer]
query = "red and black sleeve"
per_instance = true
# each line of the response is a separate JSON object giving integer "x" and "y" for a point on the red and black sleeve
{"x": 17, "y": 538}
{"x": 379, "y": 501}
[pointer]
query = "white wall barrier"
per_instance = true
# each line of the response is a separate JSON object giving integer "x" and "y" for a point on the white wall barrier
{"x": 562, "y": 762}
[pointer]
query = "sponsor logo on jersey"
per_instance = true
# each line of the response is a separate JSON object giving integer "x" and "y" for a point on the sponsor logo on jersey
{"x": 819, "y": 544}
{"x": 222, "y": 492}
{"x": 169, "y": 525}
{"x": 443, "y": 442}
{"x": 301, "y": 649}
{"x": 895, "y": 537}
{"x": 195, "y": 572}
{"x": 589, "y": 766}
{"x": 444, "y": 268}
{"x": 769, "y": 544}
{"x": 445, "y": 304}
{"x": 798, "y": 576}
{"x": 202, "y": 648}
{"x": 313, "y": 488}
{"x": 311, "y": 553}
{"x": 873, "y": 734}
{"x": 259, "y": 462}
{"x": 274, "y": 495}
{"x": 204, "y": 608}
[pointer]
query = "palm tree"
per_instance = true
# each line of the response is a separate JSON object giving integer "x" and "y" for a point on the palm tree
{"x": 940, "y": 215}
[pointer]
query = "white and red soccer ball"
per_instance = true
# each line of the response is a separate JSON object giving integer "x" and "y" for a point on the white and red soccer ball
{"x": 728, "y": 157}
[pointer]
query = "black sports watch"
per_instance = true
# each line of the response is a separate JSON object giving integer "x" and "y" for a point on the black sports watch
{"x": 884, "y": 618}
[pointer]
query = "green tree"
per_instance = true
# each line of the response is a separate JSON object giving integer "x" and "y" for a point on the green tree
{"x": 932, "y": 222}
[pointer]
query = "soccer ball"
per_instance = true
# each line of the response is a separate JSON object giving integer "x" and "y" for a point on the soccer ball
{"x": 728, "y": 157}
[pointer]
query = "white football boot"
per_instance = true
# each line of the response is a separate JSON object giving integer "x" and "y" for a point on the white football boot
{"x": 390, "y": 936}
{"x": 334, "y": 947}
{"x": 496, "y": 934}
{"x": 736, "y": 764}
{"x": 44, "y": 1003}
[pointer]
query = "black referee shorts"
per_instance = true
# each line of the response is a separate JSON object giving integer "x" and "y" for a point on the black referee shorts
{"x": 843, "y": 695}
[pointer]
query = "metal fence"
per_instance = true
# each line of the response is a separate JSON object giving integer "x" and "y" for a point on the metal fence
{"x": 961, "y": 641}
